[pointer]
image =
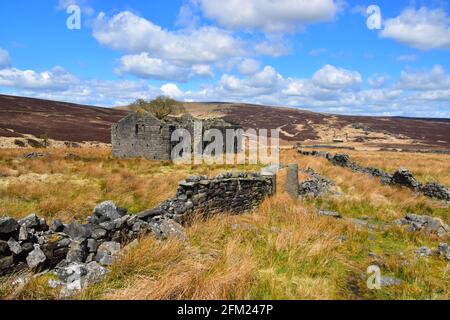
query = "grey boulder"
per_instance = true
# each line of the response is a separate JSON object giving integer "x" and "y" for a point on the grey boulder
{"x": 107, "y": 252}
{"x": 424, "y": 251}
{"x": 8, "y": 226}
{"x": 332, "y": 214}
{"x": 443, "y": 250}
{"x": 14, "y": 247}
{"x": 107, "y": 211}
{"x": 77, "y": 252}
{"x": 36, "y": 257}
{"x": 169, "y": 228}
{"x": 57, "y": 226}
{"x": 30, "y": 222}
{"x": 77, "y": 276}
{"x": 77, "y": 231}
{"x": 3, "y": 248}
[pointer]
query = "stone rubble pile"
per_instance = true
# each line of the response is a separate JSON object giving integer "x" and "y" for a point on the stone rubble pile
{"x": 315, "y": 186}
{"x": 402, "y": 177}
{"x": 425, "y": 223}
{"x": 442, "y": 251}
{"x": 78, "y": 253}
{"x": 34, "y": 155}
{"x": 31, "y": 243}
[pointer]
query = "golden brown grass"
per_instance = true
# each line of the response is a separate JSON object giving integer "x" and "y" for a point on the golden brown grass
{"x": 67, "y": 189}
{"x": 283, "y": 250}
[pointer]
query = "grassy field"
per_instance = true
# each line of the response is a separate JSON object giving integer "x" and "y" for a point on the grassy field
{"x": 283, "y": 250}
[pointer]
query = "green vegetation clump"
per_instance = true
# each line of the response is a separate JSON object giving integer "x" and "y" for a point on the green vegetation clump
{"x": 160, "y": 107}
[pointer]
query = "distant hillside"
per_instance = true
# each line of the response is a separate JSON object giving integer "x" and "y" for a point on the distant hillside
{"x": 298, "y": 125}
{"x": 56, "y": 120}
{"x": 78, "y": 123}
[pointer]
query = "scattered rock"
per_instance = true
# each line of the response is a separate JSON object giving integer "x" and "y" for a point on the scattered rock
{"x": 424, "y": 251}
{"x": 57, "y": 226}
{"x": 341, "y": 160}
{"x": 386, "y": 281}
{"x": 99, "y": 233}
{"x": 92, "y": 245}
{"x": 172, "y": 229}
{"x": 43, "y": 226}
{"x": 3, "y": 248}
{"x": 6, "y": 263}
{"x": 8, "y": 227}
{"x": 107, "y": 211}
{"x": 77, "y": 231}
{"x": 30, "y": 222}
{"x": 330, "y": 214}
{"x": 443, "y": 250}
{"x": 316, "y": 186}
{"x": 77, "y": 276}
{"x": 36, "y": 257}
{"x": 23, "y": 233}
{"x": 244, "y": 227}
{"x": 435, "y": 190}
{"x": 149, "y": 214}
{"x": 107, "y": 252}
{"x": 77, "y": 252}
{"x": 14, "y": 247}
{"x": 425, "y": 223}
{"x": 359, "y": 222}
{"x": 32, "y": 242}
{"x": 33, "y": 155}
{"x": 404, "y": 178}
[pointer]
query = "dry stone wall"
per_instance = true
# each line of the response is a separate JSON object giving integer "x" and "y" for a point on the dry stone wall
{"x": 77, "y": 253}
{"x": 231, "y": 192}
{"x": 401, "y": 178}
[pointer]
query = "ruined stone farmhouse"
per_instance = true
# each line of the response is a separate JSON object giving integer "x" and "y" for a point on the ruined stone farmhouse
{"x": 144, "y": 135}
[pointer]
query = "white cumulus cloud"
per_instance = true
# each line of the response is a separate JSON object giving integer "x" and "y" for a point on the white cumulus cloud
{"x": 54, "y": 79}
{"x": 436, "y": 78}
{"x": 423, "y": 29}
{"x": 143, "y": 66}
{"x": 171, "y": 90}
{"x": 268, "y": 15}
{"x": 131, "y": 33}
{"x": 332, "y": 77}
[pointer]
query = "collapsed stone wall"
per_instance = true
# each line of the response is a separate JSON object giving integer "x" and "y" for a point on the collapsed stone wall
{"x": 315, "y": 186}
{"x": 401, "y": 178}
{"x": 230, "y": 192}
{"x": 77, "y": 253}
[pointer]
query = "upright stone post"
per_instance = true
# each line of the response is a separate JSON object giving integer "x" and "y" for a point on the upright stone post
{"x": 271, "y": 171}
{"x": 292, "y": 180}
{"x": 198, "y": 142}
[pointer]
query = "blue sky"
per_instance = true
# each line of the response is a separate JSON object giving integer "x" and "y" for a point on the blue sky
{"x": 317, "y": 55}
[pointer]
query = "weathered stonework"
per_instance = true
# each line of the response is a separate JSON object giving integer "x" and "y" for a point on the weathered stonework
{"x": 232, "y": 193}
{"x": 142, "y": 136}
{"x": 77, "y": 253}
{"x": 401, "y": 178}
{"x": 145, "y": 136}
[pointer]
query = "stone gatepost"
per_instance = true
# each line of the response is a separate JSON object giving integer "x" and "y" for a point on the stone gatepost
{"x": 292, "y": 180}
